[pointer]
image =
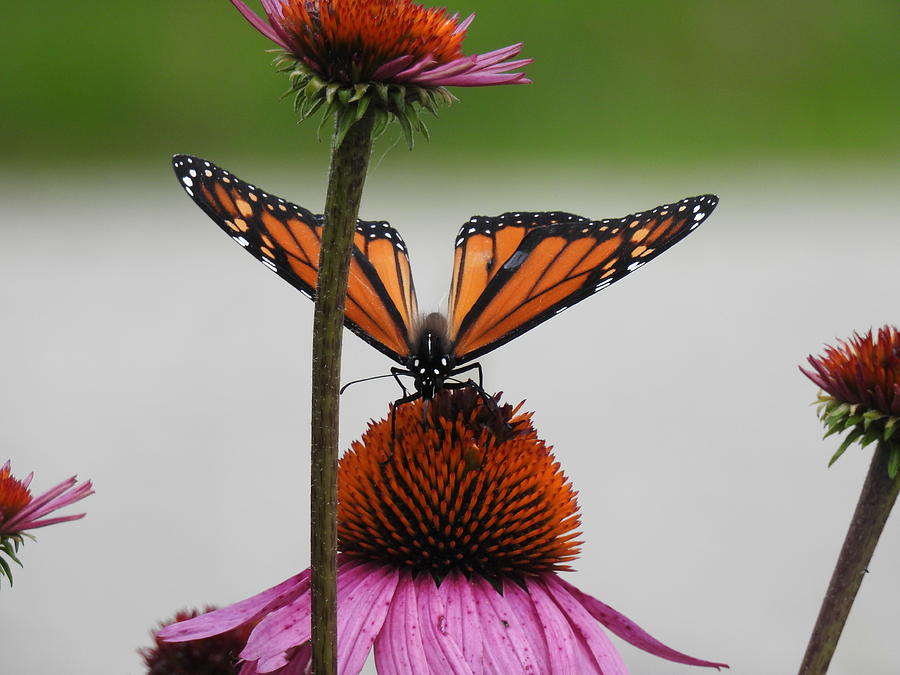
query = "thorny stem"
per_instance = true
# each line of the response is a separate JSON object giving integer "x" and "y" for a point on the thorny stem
{"x": 349, "y": 163}
{"x": 878, "y": 495}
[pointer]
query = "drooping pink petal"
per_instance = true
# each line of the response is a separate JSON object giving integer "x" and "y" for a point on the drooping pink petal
{"x": 361, "y": 615}
{"x": 251, "y": 609}
{"x": 392, "y": 67}
{"x": 462, "y": 618}
{"x": 290, "y": 626}
{"x": 301, "y": 662}
{"x": 44, "y": 523}
{"x": 506, "y": 646}
{"x": 398, "y": 648}
{"x": 40, "y": 505}
{"x": 626, "y": 629}
{"x": 259, "y": 24}
{"x": 484, "y": 80}
{"x": 463, "y": 64}
{"x": 523, "y": 606}
{"x": 281, "y": 630}
{"x": 55, "y": 498}
{"x": 415, "y": 69}
{"x": 506, "y": 65}
{"x": 588, "y": 646}
{"x": 444, "y": 655}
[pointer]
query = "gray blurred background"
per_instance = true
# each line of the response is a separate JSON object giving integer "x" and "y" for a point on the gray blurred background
{"x": 143, "y": 350}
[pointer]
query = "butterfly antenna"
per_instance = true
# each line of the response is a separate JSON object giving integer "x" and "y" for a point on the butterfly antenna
{"x": 365, "y": 379}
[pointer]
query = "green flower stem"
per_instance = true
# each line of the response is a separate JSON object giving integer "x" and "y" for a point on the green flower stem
{"x": 875, "y": 502}
{"x": 349, "y": 163}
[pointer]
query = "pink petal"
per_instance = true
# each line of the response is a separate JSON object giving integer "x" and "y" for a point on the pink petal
{"x": 626, "y": 629}
{"x": 38, "y": 505}
{"x": 391, "y": 68}
{"x": 482, "y": 80}
{"x": 461, "y": 65}
{"x": 398, "y": 648}
{"x": 54, "y": 499}
{"x": 361, "y": 615}
{"x": 523, "y": 606}
{"x": 506, "y": 65}
{"x": 505, "y": 646}
{"x": 463, "y": 27}
{"x": 49, "y": 521}
{"x": 462, "y": 618}
{"x": 290, "y": 626}
{"x": 272, "y": 8}
{"x": 443, "y": 653}
{"x": 222, "y": 620}
{"x": 498, "y": 55}
{"x": 415, "y": 69}
{"x": 272, "y": 663}
{"x": 281, "y": 630}
{"x": 259, "y": 24}
{"x": 300, "y": 662}
{"x": 587, "y": 644}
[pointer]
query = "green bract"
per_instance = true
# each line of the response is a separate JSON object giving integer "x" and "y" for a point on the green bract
{"x": 404, "y": 103}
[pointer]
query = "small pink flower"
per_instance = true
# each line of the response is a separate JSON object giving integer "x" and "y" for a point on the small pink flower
{"x": 384, "y": 41}
{"x": 20, "y": 512}
{"x": 453, "y": 533}
{"x": 860, "y": 378}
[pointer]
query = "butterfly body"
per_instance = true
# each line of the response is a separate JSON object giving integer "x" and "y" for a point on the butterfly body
{"x": 432, "y": 362}
{"x": 511, "y": 272}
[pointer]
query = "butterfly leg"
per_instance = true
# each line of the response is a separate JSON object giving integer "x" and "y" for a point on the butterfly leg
{"x": 479, "y": 387}
{"x": 397, "y": 372}
{"x": 400, "y": 401}
{"x": 472, "y": 366}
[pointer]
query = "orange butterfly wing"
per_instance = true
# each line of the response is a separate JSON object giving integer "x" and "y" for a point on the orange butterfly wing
{"x": 286, "y": 238}
{"x": 482, "y": 246}
{"x": 559, "y": 260}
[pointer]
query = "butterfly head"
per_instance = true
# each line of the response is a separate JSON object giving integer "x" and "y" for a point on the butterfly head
{"x": 431, "y": 362}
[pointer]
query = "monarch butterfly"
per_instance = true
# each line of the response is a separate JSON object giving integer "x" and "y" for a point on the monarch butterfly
{"x": 511, "y": 272}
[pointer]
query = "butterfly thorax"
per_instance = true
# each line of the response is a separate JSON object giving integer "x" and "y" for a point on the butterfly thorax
{"x": 431, "y": 362}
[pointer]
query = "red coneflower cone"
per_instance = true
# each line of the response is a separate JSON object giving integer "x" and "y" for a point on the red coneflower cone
{"x": 860, "y": 378}
{"x": 451, "y": 537}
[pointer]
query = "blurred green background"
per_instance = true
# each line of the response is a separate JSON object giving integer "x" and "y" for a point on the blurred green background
{"x": 94, "y": 82}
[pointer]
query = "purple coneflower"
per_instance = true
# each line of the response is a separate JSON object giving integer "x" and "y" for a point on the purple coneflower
{"x": 861, "y": 383}
{"x": 386, "y": 41}
{"x": 385, "y": 57}
{"x": 19, "y": 511}
{"x": 452, "y": 534}
{"x": 860, "y": 379}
